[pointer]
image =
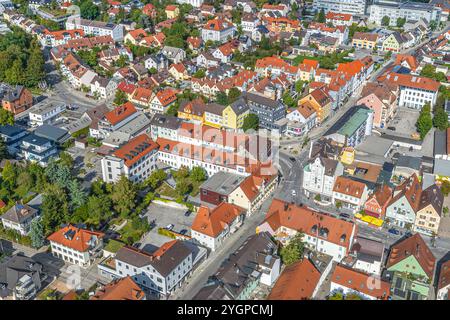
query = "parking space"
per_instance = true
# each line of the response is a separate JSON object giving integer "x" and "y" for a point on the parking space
{"x": 404, "y": 122}
{"x": 163, "y": 216}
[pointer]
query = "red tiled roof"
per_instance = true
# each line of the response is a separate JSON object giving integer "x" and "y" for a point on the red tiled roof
{"x": 360, "y": 282}
{"x": 167, "y": 96}
{"x": 338, "y": 16}
{"x": 444, "y": 275}
{"x": 120, "y": 289}
{"x": 213, "y": 221}
{"x": 217, "y": 25}
{"x": 120, "y": 113}
{"x": 79, "y": 238}
{"x": 135, "y": 149}
{"x": 349, "y": 187}
{"x": 128, "y": 88}
{"x": 297, "y": 282}
{"x": 372, "y": 37}
{"x": 411, "y": 81}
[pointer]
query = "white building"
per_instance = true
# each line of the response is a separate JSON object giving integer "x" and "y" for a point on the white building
{"x": 350, "y": 193}
{"x": 411, "y": 11}
{"x": 319, "y": 176}
{"x": 218, "y": 30}
{"x": 75, "y": 245}
{"x": 96, "y": 28}
{"x": 136, "y": 160}
{"x": 19, "y": 218}
{"x": 212, "y": 226}
{"x": 46, "y": 113}
{"x": 161, "y": 272}
{"x": 194, "y": 3}
{"x": 113, "y": 120}
{"x": 249, "y": 22}
{"x": 354, "y": 7}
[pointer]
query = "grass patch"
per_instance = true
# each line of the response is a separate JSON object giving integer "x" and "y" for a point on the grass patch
{"x": 49, "y": 294}
{"x": 129, "y": 234}
{"x": 167, "y": 233}
{"x": 114, "y": 246}
{"x": 165, "y": 190}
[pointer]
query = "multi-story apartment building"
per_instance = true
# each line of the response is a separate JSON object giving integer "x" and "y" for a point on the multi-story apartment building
{"x": 75, "y": 245}
{"x": 350, "y": 193}
{"x": 267, "y": 110}
{"x": 218, "y": 30}
{"x": 114, "y": 119}
{"x": 409, "y": 10}
{"x": 96, "y": 28}
{"x": 165, "y": 126}
{"x": 194, "y": 3}
{"x": 136, "y": 160}
{"x": 46, "y": 113}
{"x": 160, "y": 272}
{"x": 38, "y": 149}
{"x": 415, "y": 91}
{"x": 428, "y": 216}
{"x": 354, "y": 7}
{"x": 364, "y": 40}
{"x": 319, "y": 176}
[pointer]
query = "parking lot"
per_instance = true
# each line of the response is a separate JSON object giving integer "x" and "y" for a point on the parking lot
{"x": 165, "y": 215}
{"x": 404, "y": 122}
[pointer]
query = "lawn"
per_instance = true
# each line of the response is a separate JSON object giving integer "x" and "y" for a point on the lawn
{"x": 114, "y": 246}
{"x": 130, "y": 235}
{"x": 165, "y": 190}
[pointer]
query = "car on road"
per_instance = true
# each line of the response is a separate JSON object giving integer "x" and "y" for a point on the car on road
{"x": 344, "y": 215}
{"x": 187, "y": 213}
{"x": 183, "y": 232}
{"x": 170, "y": 227}
{"x": 394, "y": 231}
{"x": 391, "y": 128}
{"x": 293, "y": 192}
{"x": 292, "y": 159}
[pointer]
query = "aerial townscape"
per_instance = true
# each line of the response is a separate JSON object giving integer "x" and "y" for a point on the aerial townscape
{"x": 224, "y": 150}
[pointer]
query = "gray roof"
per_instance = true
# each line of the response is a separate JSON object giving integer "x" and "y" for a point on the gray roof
{"x": 442, "y": 167}
{"x": 166, "y": 121}
{"x": 35, "y": 140}
{"x": 13, "y": 94}
{"x": 440, "y": 142}
{"x": 10, "y": 131}
{"x": 409, "y": 162}
{"x": 18, "y": 213}
{"x": 368, "y": 249}
{"x": 432, "y": 195}
{"x": 223, "y": 183}
{"x": 52, "y": 133}
{"x": 164, "y": 263}
{"x": 239, "y": 106}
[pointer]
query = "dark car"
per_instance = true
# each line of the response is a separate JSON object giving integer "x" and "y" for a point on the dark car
{"x": 184, "y": 231}
{"x": 345, "y": 215}
{"x": 394, "y": 231}
{"x": 292, "y": 159}
{"x": 391, "y": 128}
{"x": 187, "y": 213}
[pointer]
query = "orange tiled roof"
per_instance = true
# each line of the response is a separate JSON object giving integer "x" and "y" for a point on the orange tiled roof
{"x": 120, "y": 113}
{"x": 58, "y": 35}
{"x": 349, "y": 187}
{"x": 142, "y": 94}
{"x": 297, "y": 282}
{"x": 167, "y": 96}
{"x": 412, "y": 81}
{"x": 360, "y": 282}
{"x": 338, "y": 16}
{"x": 195, "y": 42}
{"x": 135, "y": 149}
{"x": 120, "y": 289}
{"x": 171, "y": 7}
{"x": 79, "y": 240}
{"x": 416, "y": 246}
{"x": 217, "y": 25}
{"x": 411, "y": 60}
{"x": 213, "y": 221}
{"x": 275, "y": 62}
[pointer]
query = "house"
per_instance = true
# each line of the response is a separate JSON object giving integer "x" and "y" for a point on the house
{"x": 37, "y": 149}
{"x": 316, "y": 28}
{"x": 212, "y": 226}
{"x": 321, "y": 101}
{"x": 234, "y": 114}
{"x": 149, "y": 10}
{"x": 194, "y": 43}
{"x": 322, "y": 233}
{"x": 346, "y": 280}
{"x": 249, "y": 22}
{"x": 252, "y": 192}
{"x": 377, "y": 202}
{"x": 135, "y": 36}
{"x": 160, "y": 272}
{"x": 46, "y": 112}
{"x": 76, "y": 245}
{"x": 114, "y": 119}
{"x": 281, "y": 24}
{"x": 298, "y": 281}
{"x": 307, "y": 69}
{"x": 17, "y": 99}
{"x": 12, "y": 137}
{"x": 428, "y": 215}
{"x": 119, "y": 289}
{"x": 394, "y": 42}
{"x": 306, "y": 115}
{"x": 350, "y": 193}
{"x": 275, "y": 66}
{"x": 410, "y": 268}
{"x": 179, "y": 72}
{"x": 156, "y": 61}
{"x": 218, "y": 187}
{"x": 352, "y": 128}
{"x": 165, "y": 126}
{"x": 365, "y": 40}
{"x": 381, "y": 97}
{"x": 175, "y": 55}
{"x": 102, "y": 87}
{"x": 339, "y": 19}
{"x": 142, "y": 97}
{"x": 443, "y": 286}
{"x": 415, "y": 91}
{"x": 21, "y": 278}
{"x": 163, "y": 99}
{"x": 19, "y": 218}
{"x": 319, "y": 176}
{"x": 136, "y": 160}
{"x": 254, "y": 263}
{"x": 402, "y": 209}
{"x": 366, "y": 255}
{"x": 407, "y": 61}
{"x": 172, "y": 11}
{"x": 267, "y": 110}
{"x": 218, "y": 30}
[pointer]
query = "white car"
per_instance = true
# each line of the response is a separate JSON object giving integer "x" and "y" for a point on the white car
{"x": 169, "y": 227}
{"x": 294, "y": 193}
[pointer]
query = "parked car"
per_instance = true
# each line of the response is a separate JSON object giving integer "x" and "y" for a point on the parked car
{"x": 170, "y": 227}
{"x": 292, "y": 159}
{"x": 187, "y": 213}
{"x": 293, "y": 192}
{"x": 183, "y": 232}
{"x": 344, "y": 215}
{"x": 391, "y": 128}
{"x": 394, "y": 231}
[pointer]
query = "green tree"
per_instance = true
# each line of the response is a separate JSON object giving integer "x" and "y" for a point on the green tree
{"x": 66, "y": 159}
{"x": 120, "y": 98}
{"x": 445, "y": 188}
{"x": 401, "y": 22}
{"x": 233, "y": 95}
{"x": 123, "y": 196}
{"x": 9, "y": 174}
{"x": 55, "y": 208}
{"x": 37, "y": 233}
{"x": 440, "y": 119}
{"x": 198, "y": 174}
{"x": 385, "y": 21}
{"x": 321, "y": 16}
{"x": 77, "y": 194}
{"x": 35, "y": 67}
{"x": 15, "y": 74}
{"x": 293, "y": 251}
{"x": 183, "y": 187}
{"x": 155, "y": 179}
{"x": 6, "y": 117}
{"x": 200, "y": 73}
{"x": 25, "y": 182}
{"x": 222, "y": 98}
{"x": 251, "y": 121}
{"x": 4, "y": 154}
{"x": 88, "y": 10}
{"x": 424, "y": 122}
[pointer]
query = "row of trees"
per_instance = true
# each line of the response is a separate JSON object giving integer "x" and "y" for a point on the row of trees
{"x": 425, "y": 120}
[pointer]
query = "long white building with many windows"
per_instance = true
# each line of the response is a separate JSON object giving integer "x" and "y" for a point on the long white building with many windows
{"x": 413, "y": 11}
{"x": 354, "y": 7}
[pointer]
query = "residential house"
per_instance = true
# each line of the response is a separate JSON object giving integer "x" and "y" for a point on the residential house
{"x": 212, "y": 226}
{"x": 119, "y": 289}
{"x": 179, "y": 72}
{"x": 218, "y": 187}
{"x": 163, "y": 99}
{"x": 234, "y": 114}
{"x": 218, "y": 30}
{"x": 37, "y": 149}
{"x": 115, "y": 119}
{"x": 443, "y": 285}
{"x": 339, "y": 19}
{"x": 175, "y": 55}
{"x": 17, "y": 99}
{"x": 365, "y": 40}
{"x": 394, "y": 42}
{"x": 428, "y": 215}
{"x": 302, "y": 119}
{"x": 377, "y": 202}
{"x": 366, "y": 255}
{"x": 319, "y": 176}
{"x": 76, "y": 245}
{"x": 19, "y": 218}
{"x": 322, "y": 233}
{"x": 12, "y": 137}
{"x": 410, "y": 268}
{"x": 172, "y": 11}
{"x": 321, "y": 101}
{"x": 96, "y": 28}
{"x": 350, "y": 193}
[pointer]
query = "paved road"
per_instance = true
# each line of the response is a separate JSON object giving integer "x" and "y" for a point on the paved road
{"x": 212, "y": 264}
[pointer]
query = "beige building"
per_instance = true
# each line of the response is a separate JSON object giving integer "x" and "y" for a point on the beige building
{"x": 428, "y": 215}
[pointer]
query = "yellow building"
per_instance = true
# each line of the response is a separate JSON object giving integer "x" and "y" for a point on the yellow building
{"x": 172, "y": 11}
{"x": 320, "y": 101}
{"x": 392, "y": 43}
{"x": 428, "y": 215}
{"x": 233, "y": 115}
{"x": 347, "y": 155}
{"x": 192, "y": 110}
{"x": 364, "y": 40}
